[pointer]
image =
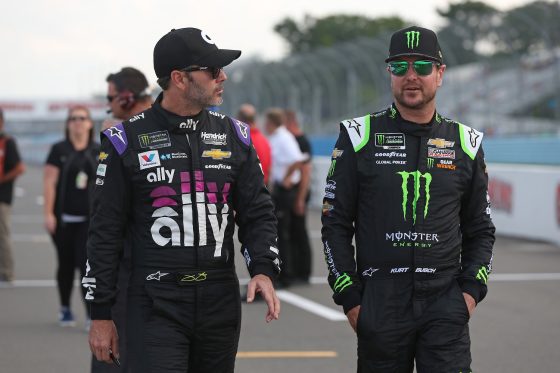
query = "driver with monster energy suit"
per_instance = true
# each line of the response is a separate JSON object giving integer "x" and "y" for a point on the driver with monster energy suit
{"x": 411, "y": 187}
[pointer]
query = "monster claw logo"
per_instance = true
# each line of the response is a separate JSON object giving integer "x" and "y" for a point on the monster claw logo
{"x": 331, "y": 168}
{"x": 417, "y": 176}
{"x": 342, "y": 282}
{"x": 144, "y": 140}
{"x": 430, "y": 162}
{"x": 482, "y": 275}
{"x": 412, "y": 39}
{"x": 380, "y": 138}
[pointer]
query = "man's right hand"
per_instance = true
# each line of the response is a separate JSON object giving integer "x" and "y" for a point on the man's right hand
{"x": 352, "y": 316}
{"x": 50, "y": 223}
{"x": 102, "y": 338}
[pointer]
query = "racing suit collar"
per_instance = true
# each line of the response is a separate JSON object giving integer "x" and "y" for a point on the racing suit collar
{"x": 411, "y": 128}
{"x": 177, "y": 123}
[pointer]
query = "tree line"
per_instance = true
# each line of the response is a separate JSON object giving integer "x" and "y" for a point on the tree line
{"x": 473, "y": 30}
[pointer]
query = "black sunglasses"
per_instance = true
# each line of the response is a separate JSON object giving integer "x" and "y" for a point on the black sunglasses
{"x": 214, "y": 71}
{"x": 111, "y": 98}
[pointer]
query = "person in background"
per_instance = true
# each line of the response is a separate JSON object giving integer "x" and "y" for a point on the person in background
{"x": 300, "y": 240}
{"x": 127, "y": 96}
{"x": 248, "y": 114}
{"x": 69, "y": 174}
{"x": 11, "y": 167}
{"x": 285, "y": 175}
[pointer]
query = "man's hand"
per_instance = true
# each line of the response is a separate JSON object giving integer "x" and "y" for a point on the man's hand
{"x": 352, "y": 316}
{"x": 262, "y": 284}
{"x": 102, "y": 338}
{"x": 471, "y": 303}
{"x": 299, "y": 206}
{"x": 50, "y": 223}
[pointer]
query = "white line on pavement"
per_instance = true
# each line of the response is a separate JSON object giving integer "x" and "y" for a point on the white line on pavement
{"x": 498, "y": 277}
{"x": 310, "y": 306}
{"x": 37, "y": 238}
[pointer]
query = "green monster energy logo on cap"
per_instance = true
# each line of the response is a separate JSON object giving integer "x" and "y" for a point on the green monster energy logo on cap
{"x": 482, "y": 275}
{"x": 342, "y": 283}
{"x": 380, "y": 138}
{"x": 417, "y": 175}
{"x": 412, "y": 39}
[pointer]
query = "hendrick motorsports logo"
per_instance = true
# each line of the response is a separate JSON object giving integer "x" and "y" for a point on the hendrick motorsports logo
{"x": 214, "y": 138}
{"x": 412, "y": 39}
{"x": 390, "y": 140}
{"x": 417, "y": 177}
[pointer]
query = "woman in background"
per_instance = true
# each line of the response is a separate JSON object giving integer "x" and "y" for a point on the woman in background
{"x": 69, "y": 176}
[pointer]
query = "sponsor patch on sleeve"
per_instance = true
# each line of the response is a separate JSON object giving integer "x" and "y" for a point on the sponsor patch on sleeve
{"x": 117, "y": 136}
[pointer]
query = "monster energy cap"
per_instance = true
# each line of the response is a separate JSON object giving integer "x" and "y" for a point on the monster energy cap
{"x": 415, "y": 41}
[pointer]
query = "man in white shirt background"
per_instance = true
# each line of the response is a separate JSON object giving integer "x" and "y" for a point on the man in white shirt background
{"x": 287, "y": 161}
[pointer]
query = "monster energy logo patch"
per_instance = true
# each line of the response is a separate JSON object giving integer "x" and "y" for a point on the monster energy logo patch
{"x": 342, "y": 283}
{"x": 482, "y": 275}
{"x": 430, "y": 162}
{"x": 390, "y": 140}
{"x": 417, "y": 176}
{"x": 412, "y": 39}
{"x": 331, "y": 169}
{"x": 154, "y": 140}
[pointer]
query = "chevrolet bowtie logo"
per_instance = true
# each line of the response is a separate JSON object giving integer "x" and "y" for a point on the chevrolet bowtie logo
{"x": 216, "y": 154}
{"x": 441, "y": 143}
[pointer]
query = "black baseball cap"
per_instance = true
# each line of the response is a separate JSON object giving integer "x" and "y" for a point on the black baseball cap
{"x": 415, "y": 41}
{"x": 189, "y": 46}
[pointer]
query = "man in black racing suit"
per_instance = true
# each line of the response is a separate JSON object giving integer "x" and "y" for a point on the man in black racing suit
{"x": 178, "y": 177}
{"x": 411, "y": 186}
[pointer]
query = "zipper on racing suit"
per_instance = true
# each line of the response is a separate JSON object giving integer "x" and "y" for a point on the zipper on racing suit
{"x": 192, "y": 150}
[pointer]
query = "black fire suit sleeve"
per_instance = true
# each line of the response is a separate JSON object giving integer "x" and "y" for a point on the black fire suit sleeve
{"x": 256, "y": 220}
{"x": 111, "y": 203}
{"x": 477, "y": 232}
{"x": 339, "y": 214}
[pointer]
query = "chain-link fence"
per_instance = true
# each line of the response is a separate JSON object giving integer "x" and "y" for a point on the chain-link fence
{"x": 351, "y": 79}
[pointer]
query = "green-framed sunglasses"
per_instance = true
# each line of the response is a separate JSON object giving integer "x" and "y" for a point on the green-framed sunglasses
{"x": 422, "y": 68}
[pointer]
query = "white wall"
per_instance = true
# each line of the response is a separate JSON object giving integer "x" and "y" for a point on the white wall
{"x": 525, "y": 199}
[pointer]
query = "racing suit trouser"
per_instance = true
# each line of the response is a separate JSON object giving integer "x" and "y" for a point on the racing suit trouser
{"x": 394, "y": 329}
{"x": 184, "y": 322}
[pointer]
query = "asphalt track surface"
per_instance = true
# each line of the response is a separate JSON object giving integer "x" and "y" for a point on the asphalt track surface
{"x": 516, "y": 329}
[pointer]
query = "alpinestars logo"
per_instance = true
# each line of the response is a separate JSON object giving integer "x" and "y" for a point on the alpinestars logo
{"x": 417, "y": 176}
{"x": 412, "y": 39}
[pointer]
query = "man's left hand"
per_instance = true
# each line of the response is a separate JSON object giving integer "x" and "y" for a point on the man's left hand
{"x": 262, "y": 284}
{"x": 471, "y": 303}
